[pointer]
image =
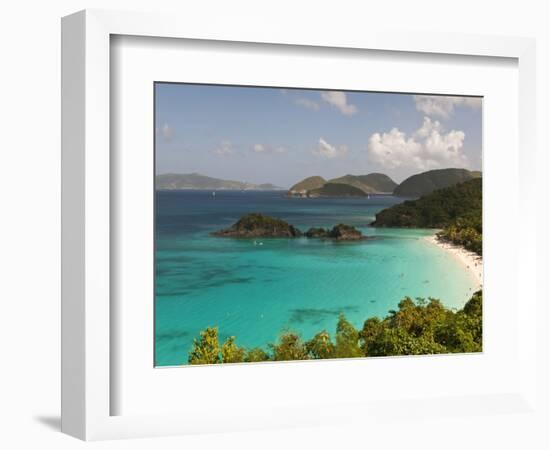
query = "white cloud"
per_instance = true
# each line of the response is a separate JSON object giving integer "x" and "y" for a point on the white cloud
{"x": 339, "y": 100}
{"x": 307, "y": 103}
{"x": 224, "y": 149}
{"x": 264, "y": 149}
{"x": 428, "y": 126}
{"x": 443, "y": 106}
{"x": 427, "y": 148}
{"x": 325, "y": 150}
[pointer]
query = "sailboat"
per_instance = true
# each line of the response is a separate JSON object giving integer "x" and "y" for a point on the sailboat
{"x": 213, "y": 194}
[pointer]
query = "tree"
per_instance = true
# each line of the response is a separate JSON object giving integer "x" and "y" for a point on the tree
{"x": 418, "y": 319}
{"x": 474, "y": 307}
{"x": 463, "y": 331}
{"x": 455, "y": 336}
{"x": 231, "y": 353}
{"x": 290, "y": 347}
{"x": 371, "y": 328}
{"x": 347, "y": 340}
{"x": 206, "y": 350}
{"x": 320, "y": 346}
{"x": 256, "y": 355}
{"x": 396, "y": 341}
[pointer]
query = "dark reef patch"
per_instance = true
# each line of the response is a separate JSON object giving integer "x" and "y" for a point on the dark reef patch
{"x": 209, "y": 283}
{"x": 170, "y": 335}
{"x": 316, "y": 315}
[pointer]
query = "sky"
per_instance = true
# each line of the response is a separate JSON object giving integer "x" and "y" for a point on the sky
{"x": 280, "y": 135}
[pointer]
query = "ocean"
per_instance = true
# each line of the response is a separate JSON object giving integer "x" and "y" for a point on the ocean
{"x": 256, "y": 289}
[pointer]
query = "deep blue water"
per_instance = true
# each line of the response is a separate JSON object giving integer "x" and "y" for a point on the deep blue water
{"x": 254, "y": 292}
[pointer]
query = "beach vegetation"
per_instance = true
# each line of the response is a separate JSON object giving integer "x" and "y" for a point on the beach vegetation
{"x": 231, "y": 352}
{"x": 347, "y": 340}
{"x": 320, "y": 346}
{"x": 206, "y": 349}
{"x": 290, "y": 347}
{"x": 466, "y": 232}
{"x": 256, "y": 354}
{"x": 456, "y": 210}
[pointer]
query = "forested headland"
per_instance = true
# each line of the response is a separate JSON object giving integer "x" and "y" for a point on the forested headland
{"x": 456, "y": 210}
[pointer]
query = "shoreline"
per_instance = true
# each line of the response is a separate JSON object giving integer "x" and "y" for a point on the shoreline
{"x": 470, "y": 260}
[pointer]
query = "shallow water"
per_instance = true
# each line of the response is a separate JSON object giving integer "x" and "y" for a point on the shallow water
{"x": 254, "y": 292}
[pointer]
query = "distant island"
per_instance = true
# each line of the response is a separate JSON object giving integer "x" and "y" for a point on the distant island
{"x": 189, "y": 181}
{"x": 256, "y": 225}
{"x": 337, "y": 190}
{"x": 317, "y": 187}
{"x": 378, "y": 183}
{"x": 345, "y": 186}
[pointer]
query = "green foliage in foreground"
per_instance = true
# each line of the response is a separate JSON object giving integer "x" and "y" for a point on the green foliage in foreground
{"x": 417, "y": 328}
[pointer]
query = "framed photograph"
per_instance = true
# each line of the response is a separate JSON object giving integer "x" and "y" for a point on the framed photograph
{"x": 292, "y": 236}
{"x": 317, "y": 214}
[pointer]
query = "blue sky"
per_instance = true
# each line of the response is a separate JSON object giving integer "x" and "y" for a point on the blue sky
{"x": 279, "y": 136}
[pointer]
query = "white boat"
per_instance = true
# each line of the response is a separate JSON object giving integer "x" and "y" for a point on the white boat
{"x": 213, "y": 193}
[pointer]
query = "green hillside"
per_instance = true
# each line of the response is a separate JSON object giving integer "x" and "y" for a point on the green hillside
{"x": 373, "y": 183}
{"x": 355, "y": 181}
{"x": 379, "y": 182}
{"x": 426, "y": 182}
{"x": 309, "y": 183}
{"x": 337, "y": 190}
{"x": 456, "y": 209}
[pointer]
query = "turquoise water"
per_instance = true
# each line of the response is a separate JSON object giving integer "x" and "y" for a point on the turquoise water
{"x": 254, "y": 292}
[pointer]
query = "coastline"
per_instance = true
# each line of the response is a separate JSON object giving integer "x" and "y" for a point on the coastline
{"x": 472, "y": 261}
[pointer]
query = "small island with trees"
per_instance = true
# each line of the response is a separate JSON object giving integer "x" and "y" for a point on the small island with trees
{"x": 349, "y": 185}
{"x": 257, "y": 225}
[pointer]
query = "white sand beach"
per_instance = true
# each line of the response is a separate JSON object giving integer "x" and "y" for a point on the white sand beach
{"x": 472, "y": 261}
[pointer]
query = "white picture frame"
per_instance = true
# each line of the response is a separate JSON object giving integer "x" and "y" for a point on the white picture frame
{"x": 87, "y": 383}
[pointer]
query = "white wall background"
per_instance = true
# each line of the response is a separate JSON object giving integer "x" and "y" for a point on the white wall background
{"x": 29, "y": 224}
